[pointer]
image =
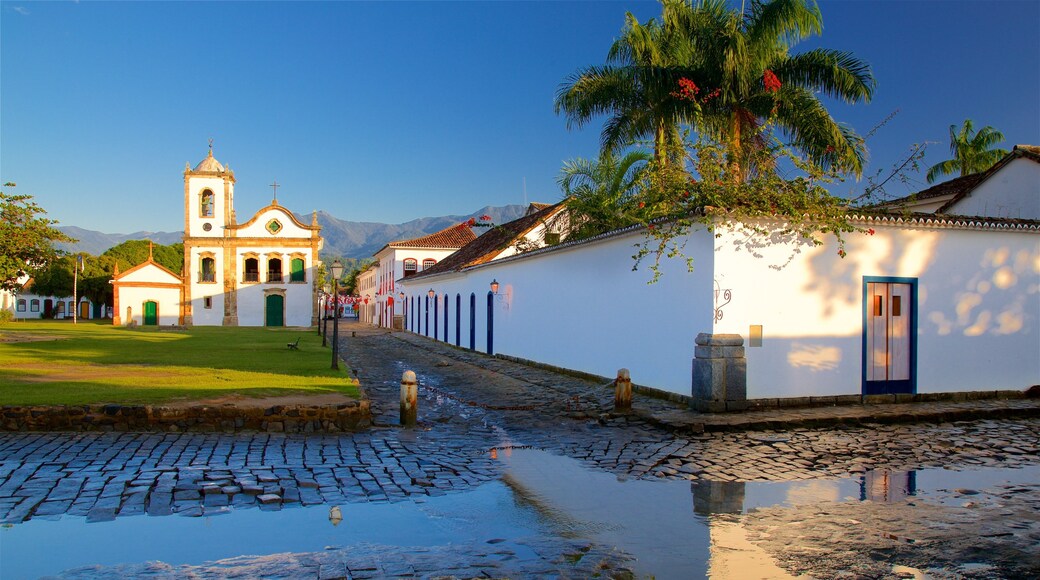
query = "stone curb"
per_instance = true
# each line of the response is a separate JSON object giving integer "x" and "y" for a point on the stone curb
{"x": 872, "y": 414}
{"x": 350, "y": 416}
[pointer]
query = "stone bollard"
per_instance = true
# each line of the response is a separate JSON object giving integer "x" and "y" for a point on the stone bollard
{"x": 719, "y": 373}
{"x": 409, "y": 399}
{"x": 623, "y": 391}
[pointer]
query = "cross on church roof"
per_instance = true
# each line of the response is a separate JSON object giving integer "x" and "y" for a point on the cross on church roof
{"x": 211, "y": 144}
{"x": 275, "y": 186}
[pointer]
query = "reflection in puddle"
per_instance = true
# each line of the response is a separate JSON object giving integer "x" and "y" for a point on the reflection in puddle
{"x": 671, "y": 528}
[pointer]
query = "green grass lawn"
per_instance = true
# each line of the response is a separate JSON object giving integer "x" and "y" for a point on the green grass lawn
{"x": 56, "y": 362}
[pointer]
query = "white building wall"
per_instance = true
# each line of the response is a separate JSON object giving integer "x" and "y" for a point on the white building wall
{"x": 196, "y": 185}
{"x": 167, "y": 299}
{"x": 978, "y": 308}
{"x": 1012, "y": 192}
{"x": 584, "y": 308}
{"x": 202, "y": 316}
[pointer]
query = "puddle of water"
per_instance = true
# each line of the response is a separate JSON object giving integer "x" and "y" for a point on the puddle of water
{"x": 44, "y": 547}
{"x": 673, "y": 529}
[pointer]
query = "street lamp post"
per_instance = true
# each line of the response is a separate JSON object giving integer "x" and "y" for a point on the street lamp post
{"x": 75, "y": 291}
{"x": 337, "y": 271}
{"x": 325, "y": 332}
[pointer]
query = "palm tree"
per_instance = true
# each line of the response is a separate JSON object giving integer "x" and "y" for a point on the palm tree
{"x": 601, "y": 193}
{"x": 971, "y": 153}
{"x": 745, "y": 57}
{"x": 635, "y": 88}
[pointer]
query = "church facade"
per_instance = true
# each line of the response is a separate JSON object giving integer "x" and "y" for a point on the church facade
{"x": 257, "y": 273}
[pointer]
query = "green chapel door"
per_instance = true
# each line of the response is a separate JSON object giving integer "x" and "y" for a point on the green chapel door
{"x": 275, "y": 310}
{"x": 151, "y": 317}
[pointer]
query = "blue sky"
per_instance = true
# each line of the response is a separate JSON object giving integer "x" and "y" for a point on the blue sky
{"x": 391, "y": 111}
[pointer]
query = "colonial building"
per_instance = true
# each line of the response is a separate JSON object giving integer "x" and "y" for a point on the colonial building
{"x": 403, "y": 259}
{"x": 256, "y": 273}
{"x": 24, "y": 303}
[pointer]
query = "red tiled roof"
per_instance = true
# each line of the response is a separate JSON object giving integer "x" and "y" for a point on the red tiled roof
{"x": 451, "y": 237}
{"x": 486, "y": 247}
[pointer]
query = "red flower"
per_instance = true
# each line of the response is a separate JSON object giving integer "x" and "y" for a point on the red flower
{"x": 641, "y": 205}
{"x": 472, "y": 221}
{"x": 870, "y": 231}
{"x": 485, "y": 218}
{"x": 770, "y": 81}
{"x": 841, "y": 253}
{"x": 687, "y": 90}
{"x": 830, "y": 149}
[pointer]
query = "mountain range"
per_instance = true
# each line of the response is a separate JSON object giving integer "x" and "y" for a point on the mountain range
{"x": 343, "y": 238}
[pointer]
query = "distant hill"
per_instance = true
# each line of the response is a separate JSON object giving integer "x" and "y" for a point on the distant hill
{"x": 342, "y": 238}
{"x": 97, "y": 242}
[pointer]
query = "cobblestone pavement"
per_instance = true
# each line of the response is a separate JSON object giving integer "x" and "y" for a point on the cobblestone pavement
{"x": 471, "y": 406}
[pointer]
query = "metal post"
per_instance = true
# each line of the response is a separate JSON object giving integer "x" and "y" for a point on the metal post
{"x": 409, "y": 398}
{"x": 325, "y": 333}
{"x": 623, "y": 391}
{"x": 335, "y": 328}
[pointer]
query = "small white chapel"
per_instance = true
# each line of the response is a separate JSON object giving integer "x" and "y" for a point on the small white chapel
{"x": 257, "y": 273}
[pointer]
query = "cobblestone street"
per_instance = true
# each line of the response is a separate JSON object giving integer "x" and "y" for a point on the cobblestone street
{"x": 471, "y": 407}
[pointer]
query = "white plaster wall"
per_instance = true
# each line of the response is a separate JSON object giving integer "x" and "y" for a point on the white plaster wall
{"x": 195, "y": 187}
{"x": 1013, "y": 192}
{"x": 258, "y": 228}
{"x": 584, "y": 308}
{"x": 978, "y": 318}
{"x": 168, "y": 300}
{"x": 200, "y": 315}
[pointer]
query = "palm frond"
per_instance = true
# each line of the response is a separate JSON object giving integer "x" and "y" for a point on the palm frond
{"x": 834, "y": 73}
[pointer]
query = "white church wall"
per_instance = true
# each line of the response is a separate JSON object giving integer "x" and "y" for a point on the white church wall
{"x": 978, "y": 308}
{"x": 200, "y": 290}
{"x": 1012, "y": 192}
{"x": 257, "y": 226}
{"x": 584, "y": 308}
{"x": 132, "y": 299}
{"x": 197, "y": 185}
{"x": 299, "y": 296}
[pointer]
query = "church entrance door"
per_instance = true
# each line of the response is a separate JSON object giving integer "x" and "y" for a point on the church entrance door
{"x": 275, "y": 310}
{"x": 151, "y": 313}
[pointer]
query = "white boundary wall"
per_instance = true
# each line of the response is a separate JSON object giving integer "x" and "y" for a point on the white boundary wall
{"x": 978, "y": 305}
{"x": 583, "y": 308}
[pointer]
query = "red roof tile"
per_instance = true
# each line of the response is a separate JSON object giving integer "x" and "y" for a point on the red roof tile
{"x": 451, "y": 237}
{"x": 486, "y": 247}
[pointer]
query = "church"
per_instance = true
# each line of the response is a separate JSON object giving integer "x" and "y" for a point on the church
{"x": 257, "y": 273}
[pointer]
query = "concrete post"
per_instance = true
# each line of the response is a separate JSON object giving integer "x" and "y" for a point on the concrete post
{"x": 623, "y": 391}
{"x": 409, "y": 398}
{"x": 719, "y": 373}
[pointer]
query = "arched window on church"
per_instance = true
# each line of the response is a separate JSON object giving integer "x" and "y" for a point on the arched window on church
{"x": 274, "y": 270}
{"x": 410, "y": 267}
{"x": 34, "y": 305}
{"x": 21, "y": 305}
{"x": 252, "y": 272}
{"x": 208, "y": 270}
{"x": 297, "y": 273}
{"x": 206, "y": 204}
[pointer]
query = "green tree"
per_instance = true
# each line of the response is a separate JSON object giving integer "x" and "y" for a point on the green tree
{"x": 26, "y": 238}
{"x": 133, "y": 252}
{"x": 634, "y": 88}
{"x": 603, "y": 194}
{"x": 972, "y": 152}
{"x": 740, "y": 79}
{"x": 55, "y": 279}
